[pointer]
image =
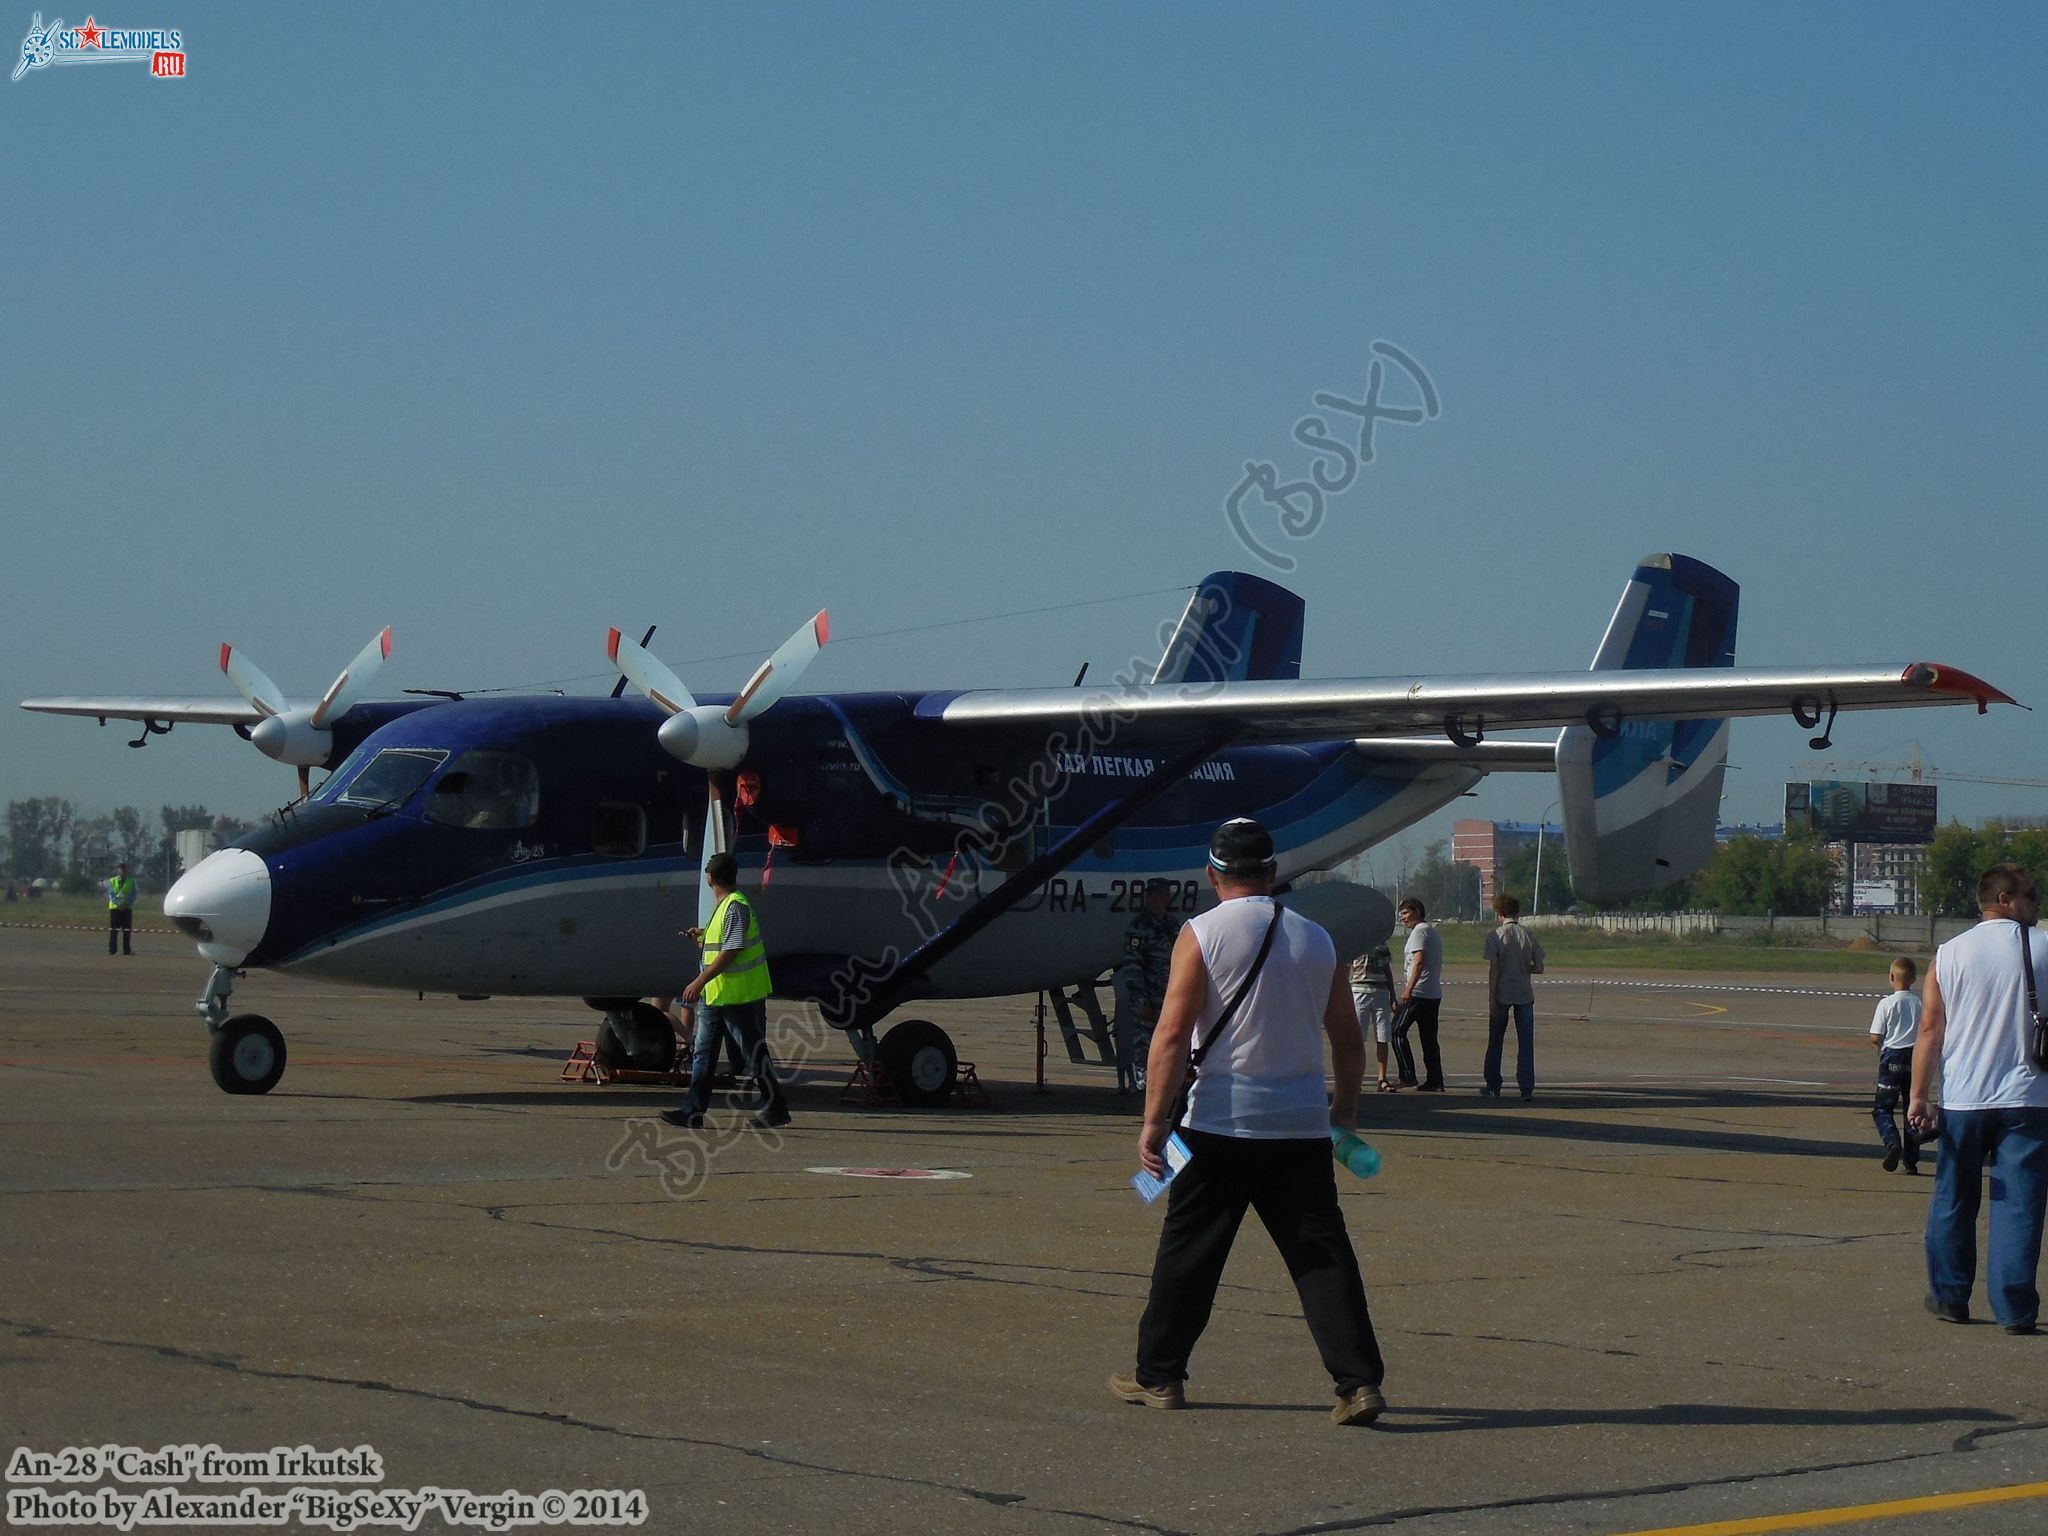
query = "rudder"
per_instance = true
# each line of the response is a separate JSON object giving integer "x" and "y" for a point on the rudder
{"x": 1235, "y": 628}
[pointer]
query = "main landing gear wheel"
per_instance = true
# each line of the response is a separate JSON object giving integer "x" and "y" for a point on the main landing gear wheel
{"x": 247, "y": 1054}
{"x": 640, "y": 1038}
{"x": 921, "y": 1063}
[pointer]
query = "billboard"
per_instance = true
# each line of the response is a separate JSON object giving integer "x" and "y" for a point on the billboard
{"x": 1861, "y": 813}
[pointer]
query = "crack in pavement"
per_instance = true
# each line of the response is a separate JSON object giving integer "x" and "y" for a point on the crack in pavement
{"x": 1966, "y": 1445}
{"x": 177, "y": 1355}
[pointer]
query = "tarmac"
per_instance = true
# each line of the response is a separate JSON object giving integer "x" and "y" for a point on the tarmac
{"x": 1675, "y": 1291}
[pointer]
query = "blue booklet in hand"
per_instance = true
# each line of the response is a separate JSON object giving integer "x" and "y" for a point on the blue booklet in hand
{"x": 1177, "y": 1157}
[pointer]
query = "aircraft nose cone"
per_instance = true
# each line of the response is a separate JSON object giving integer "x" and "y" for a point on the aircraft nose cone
{"x": 268, "y": 736}
{"x": 223, "y": 901}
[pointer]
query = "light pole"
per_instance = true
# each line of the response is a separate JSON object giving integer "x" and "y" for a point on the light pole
{"x": 1536, "y": 895}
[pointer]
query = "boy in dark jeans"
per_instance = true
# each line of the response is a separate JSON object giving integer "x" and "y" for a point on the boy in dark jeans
{"x": 1893, "y": 1030}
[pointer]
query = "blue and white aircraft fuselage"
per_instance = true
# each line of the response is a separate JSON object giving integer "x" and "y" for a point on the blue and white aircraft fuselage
{"x": 951, "y": 844}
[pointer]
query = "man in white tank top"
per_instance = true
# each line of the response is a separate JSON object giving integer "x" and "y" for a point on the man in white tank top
{"x": 1975, "y": 1028}
{"x": 1258, "y": 1122}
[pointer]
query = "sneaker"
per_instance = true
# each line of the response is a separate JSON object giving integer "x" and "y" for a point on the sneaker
{"x": 770, "y": 1119}
{"x": 1429, "y": 1088}
{"x": 1913, "y": 1167}
{"x": 1528, "y": 1096}
{"x": 1359, "y": 1407}
{"x": 2021, "y": 1328}
{"x": 1126, "y": 1385}
{"x": 683, "y": 1119}
{"x": 1946, "y": 1311}
{"x": 1891, "y": 1159}
{"x": 1489, "y": 1093}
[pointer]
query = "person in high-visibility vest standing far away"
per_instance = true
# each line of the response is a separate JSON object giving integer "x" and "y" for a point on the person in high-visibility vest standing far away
{"x": 120, "y": 911}
{"x": 730, "y": 995}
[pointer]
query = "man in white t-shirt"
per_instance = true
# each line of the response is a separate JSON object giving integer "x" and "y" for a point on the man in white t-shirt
{"x": 1976, "y": 1028}
{"x": 1893, "y": 1029}
{"x": 1421, "y": 999}
{"x": 1258, "y": 1123}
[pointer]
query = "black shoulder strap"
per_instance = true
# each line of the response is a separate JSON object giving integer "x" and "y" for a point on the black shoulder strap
{"x": 1230, "y": 1008}
{"x": 2038, "y": 1026}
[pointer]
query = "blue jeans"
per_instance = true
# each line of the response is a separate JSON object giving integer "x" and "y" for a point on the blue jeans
{"x": 2016, "y": 1140}
{"x": 1525, "y": 1045}
{"x": 1894, "y": 1086}
{"x": 746, "y": 1024}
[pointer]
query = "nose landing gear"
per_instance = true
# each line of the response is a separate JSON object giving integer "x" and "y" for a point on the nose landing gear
{"x": 246, "y": 1052}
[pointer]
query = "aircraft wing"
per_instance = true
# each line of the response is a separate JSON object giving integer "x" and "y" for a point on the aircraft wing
{"x": 1460, "y": 709}
{"x": 1491, "y": 756}
{"x": 164, "y": 711}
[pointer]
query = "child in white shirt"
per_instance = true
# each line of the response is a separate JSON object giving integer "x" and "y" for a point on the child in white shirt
{"x": 1893, "y": 1030}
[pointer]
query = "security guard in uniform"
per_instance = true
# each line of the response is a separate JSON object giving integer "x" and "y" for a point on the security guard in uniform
{"x": 730, "y": 995}
{"x": 120, "y": 911}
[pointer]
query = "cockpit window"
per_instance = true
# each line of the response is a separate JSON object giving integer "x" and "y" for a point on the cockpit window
{"x": 390, "y": 778}
{"x": 492, "y": 790}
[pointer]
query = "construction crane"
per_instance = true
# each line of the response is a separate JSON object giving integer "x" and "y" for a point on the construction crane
{"x": 1919, "y": 770}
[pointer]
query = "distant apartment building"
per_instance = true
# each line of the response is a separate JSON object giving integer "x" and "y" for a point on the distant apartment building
{"x": 1488, "y": 845}
{"x": 1888, "y": 877}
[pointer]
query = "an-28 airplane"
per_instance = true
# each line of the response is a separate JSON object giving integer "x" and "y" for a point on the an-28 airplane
{"x": 932, "y": 845}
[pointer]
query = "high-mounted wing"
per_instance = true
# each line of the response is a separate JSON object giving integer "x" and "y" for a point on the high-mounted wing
{"x": 1463, "y": 710}
{"x": 165, "y": 711}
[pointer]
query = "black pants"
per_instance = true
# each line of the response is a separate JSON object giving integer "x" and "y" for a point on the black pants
{"x": 1293, "y": 1187}
{"x": 120, "y": 929}
{"x": 1418, "y": 1014}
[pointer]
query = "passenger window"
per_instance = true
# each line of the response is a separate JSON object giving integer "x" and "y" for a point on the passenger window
{"x": 495, "y": 791}
{"x": 620, "y": 830}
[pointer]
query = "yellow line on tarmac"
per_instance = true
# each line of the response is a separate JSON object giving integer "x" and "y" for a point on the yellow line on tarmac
{"x": 1809, "y": 1519}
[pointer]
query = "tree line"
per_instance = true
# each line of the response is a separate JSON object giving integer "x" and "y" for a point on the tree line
{"x": 1748, "y": 876}
{"x": 47, "y": 839}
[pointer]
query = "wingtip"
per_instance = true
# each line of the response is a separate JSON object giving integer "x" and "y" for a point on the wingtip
{"x": 611, "y": 644}
{"x": 1936, "y": 678}
{"x": 822, "y": 624}
{"x": 384, "y": 643}
{"x": 225, "y": 652}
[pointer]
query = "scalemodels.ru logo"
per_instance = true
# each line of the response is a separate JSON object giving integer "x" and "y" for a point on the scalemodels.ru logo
{"x": 161, "y": 48}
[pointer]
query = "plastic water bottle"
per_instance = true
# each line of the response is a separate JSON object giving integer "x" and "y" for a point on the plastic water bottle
{"x": 1361, "y": 1157}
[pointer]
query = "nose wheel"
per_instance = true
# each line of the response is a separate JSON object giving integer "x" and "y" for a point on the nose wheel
{"x": 246, "y": 1054}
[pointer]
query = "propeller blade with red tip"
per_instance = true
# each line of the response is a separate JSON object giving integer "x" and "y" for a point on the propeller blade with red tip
{"x": 348, "y": 687}
{"x": 251, "y": 683}
{"x": 772, "y": 679}
{"x": 648, "y": 673}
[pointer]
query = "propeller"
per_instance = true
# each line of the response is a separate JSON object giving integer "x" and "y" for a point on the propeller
{"x": 302, "y": 736}
{"x": 706, "y": 736}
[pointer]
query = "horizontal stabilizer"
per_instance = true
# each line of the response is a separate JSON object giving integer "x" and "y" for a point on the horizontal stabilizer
{"x": 1357, "y": 917}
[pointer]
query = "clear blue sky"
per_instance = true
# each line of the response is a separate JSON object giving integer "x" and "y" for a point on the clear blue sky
{"x": 503, "y": 325}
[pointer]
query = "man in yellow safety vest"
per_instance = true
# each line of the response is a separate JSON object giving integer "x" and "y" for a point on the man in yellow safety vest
{"x": 730, "y": 995}
{"x": 120, "y": 911}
